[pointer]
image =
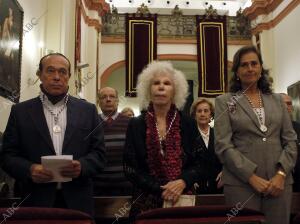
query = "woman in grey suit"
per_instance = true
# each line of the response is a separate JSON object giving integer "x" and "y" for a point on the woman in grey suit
{"x": 255, "y": 141}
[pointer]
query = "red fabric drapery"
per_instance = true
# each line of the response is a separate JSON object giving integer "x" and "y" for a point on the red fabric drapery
{"x": 141, "y": 45}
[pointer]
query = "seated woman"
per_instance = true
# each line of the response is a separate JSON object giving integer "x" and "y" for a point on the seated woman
{"x": 161, "y": 144}
{"x": 203, "y": 112}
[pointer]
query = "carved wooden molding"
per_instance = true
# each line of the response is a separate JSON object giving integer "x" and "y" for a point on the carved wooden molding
{"x": 106, "y": 39}
{"x": 89, "y": 21}
{"x": 98, "y": 5}
{"x": 181, "y": 57}
{"x": 260, "y": 7}
{"x": 269, "y": 25}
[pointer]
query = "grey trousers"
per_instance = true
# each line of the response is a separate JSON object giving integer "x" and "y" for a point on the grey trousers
{"x": 276, "y": 209}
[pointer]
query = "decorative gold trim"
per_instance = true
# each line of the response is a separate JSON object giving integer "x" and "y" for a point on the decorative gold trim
{"x": 142, "y": 10}
{"x": 269, "y": 25}
{"x": 177, "y": 41}
{"x": 239, "y": 42}
{"x": 121, "y": 39}
{"x": 114, "y": 39}
{"x": 181, "y": 57}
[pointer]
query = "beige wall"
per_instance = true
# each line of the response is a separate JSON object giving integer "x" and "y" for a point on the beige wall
{"x": 30, "y": 54}
{"x": 54, "y": 30}
{"x": 88, "y": 55}
{"x": 287, "y": 51}
{"x": 281, "y": 49}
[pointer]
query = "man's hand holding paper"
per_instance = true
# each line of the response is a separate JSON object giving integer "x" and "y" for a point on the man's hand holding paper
{"x": 63, "y": 167}
{"x": 72, "y": 170}
{"x": 39, "y": 174}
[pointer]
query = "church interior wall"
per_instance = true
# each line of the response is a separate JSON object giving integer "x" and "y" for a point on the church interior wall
{"x": 55, "y": 31}
{"x": 287, "y": 51}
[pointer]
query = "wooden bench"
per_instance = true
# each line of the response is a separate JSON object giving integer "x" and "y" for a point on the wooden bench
{"x": 112, "y": 207}
{"x": 109, "y": 207}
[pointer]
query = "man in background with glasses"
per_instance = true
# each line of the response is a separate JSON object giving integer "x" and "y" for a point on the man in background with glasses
{"x": 111, "y": 181}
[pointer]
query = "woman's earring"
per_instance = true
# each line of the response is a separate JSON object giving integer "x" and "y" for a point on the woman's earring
{"x": 237, "y": 78}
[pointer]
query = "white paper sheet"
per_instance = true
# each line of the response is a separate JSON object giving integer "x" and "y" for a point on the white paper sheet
{"x": 54, "y": 163}
{"x": 184, "y": 200}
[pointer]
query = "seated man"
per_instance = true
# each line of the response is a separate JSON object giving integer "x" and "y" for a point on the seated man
{"x": 54, "y": 123}
{"x": 112, "y": 182}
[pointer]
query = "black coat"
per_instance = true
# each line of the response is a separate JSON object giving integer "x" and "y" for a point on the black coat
{"x": 135, "y": 155}
{"x": 296, "y": 175}
{"x": 214, "y": 167}
{"x": 27, "y": 138}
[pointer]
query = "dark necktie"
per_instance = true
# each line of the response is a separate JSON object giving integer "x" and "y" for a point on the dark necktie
{"x": 109, "y": 120}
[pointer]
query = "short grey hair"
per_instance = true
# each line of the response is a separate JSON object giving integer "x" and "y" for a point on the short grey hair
{"x": 157, "y": 68}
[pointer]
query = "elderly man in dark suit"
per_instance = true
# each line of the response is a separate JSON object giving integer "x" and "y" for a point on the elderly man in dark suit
{"x": 54, "y": 123}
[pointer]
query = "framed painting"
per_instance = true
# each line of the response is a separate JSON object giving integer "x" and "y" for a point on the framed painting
{"x": 294, "y": 93}
{"x": 11, "y": 33}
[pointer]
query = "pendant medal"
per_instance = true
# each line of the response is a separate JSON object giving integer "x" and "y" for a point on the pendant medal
{"x": 263, "y": 128}
{"x": 56, "y": 129}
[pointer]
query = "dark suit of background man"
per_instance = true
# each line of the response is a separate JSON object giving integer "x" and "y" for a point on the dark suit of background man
{"x": 54, "y": 123}
{"x": 288, "y": 100}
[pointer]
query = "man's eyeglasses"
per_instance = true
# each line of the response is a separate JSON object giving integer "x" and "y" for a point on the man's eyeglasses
{"x": 104, "y": 97}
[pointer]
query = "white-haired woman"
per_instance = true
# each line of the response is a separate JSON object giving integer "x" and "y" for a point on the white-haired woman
{"x": 161, "y": 143}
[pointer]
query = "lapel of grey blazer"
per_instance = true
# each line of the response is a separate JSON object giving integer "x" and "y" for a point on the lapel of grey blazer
{"x": 245, "y": 105}
{"x": 269, "y": 108}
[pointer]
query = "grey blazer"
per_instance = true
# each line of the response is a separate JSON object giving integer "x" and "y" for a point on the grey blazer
{"x": 243, "y": 148}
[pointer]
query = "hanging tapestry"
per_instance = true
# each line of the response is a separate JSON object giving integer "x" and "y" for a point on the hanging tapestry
{"x": 141, "y": 44}
{"x": 212, "y": 55}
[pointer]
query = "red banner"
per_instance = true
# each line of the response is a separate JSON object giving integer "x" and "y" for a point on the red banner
{"x": 212, "y": 56}
{"x": 141, "y": 48}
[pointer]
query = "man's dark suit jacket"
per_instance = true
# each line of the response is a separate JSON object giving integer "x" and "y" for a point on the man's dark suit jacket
{"x": 296, "y": 185}
{"x": 27, "y": 138}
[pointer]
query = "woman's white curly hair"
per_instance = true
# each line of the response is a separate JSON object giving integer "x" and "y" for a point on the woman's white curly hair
{"x": 157, "y": 68}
